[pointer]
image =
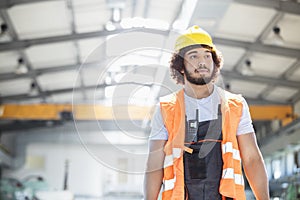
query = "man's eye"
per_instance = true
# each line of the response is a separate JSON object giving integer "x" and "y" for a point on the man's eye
{"x": 193, "y": 56}
{"x": 207, "y": 56}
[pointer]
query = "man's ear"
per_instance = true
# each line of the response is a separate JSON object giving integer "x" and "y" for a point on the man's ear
{"x": 182, "y": 70}
{"x": 216, "y": 72}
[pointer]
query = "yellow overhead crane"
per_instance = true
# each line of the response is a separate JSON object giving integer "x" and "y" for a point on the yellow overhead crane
{"x": 284, "y": 113}
{"x": 79, "y": 112}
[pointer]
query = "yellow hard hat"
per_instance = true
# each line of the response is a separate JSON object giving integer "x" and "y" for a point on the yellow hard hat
{"x": 193, "y": 35}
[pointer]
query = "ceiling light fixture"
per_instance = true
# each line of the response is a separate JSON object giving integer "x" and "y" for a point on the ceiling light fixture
{"x": 33, "y": 89}
{"x": 21, "y": 67}
{"x": 116, "y": 15}
{"x": 277, "y": 39}
{"x": 247, "y": 69}
{"x": 3, "y": 29}
{"x": 110, "y": 26}
{"x": 116, "y": 7}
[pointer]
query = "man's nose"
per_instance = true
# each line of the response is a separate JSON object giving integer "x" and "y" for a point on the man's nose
{"x": 200, "y": 64}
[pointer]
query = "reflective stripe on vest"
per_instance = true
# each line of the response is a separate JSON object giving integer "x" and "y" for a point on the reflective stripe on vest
{"x": 169, "y": 184}
{"x": 229, "y": 174}
{"x": 173, "y": 113}
{"x": 169, "y": 159}
{"x": 227, "y": 148}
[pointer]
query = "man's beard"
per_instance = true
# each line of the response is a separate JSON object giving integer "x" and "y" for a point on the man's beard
{"x": 199, "y": 80}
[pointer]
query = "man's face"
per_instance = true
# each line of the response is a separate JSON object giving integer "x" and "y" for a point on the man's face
{"x": 199, "y": 66}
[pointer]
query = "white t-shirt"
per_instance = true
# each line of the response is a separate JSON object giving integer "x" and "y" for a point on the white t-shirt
{"x": 207, "y": 110}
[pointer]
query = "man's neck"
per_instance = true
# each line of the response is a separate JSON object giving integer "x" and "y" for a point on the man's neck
{"x": 198, "y": 91}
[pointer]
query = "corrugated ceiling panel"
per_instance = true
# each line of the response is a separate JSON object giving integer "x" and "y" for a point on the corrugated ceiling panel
{"x": 9, "y": 61}
{"x": 132, "y": 41}
{"x": 5, "y": 38}
{"x": 231, "y": 55}
{"x": 163, "y": 10}
{"x": 91, "y": 15}
{"x": 92, "y": 76}
{"x": 247, "y": 88}
{"x": 91, "y": 50}
{"x": 296, "y": 75}
{"x": 12, "y": 87}
{"x": 244, "y": 22}
{"x": 281, "y": 94}
{"x": 270, "y": 65}
{"x": 289, "y": 30}
{"x": 207, "y": 14}
{"x": 58, "y": 80}
{"x": 51, "y": 55}
{"x": 43, "y": 19}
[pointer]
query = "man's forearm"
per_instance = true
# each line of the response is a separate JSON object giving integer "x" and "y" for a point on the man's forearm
{"x": 152, "y": 185}
{"x": 257, "y": 178}
{"x": 154, "y": 170}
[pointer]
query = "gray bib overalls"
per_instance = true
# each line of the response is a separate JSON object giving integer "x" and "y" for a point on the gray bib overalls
{"x": 203, "y": 167}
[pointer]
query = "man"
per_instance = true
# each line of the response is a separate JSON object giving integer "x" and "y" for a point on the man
{"x": 202, "y": 134}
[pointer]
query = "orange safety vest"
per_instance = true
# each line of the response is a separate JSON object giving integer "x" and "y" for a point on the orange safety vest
{"x": 173, "y": 113}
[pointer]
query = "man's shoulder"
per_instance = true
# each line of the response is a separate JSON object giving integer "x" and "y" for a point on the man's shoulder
{"x": 229, "y": 95}
{"x": 169, "y": 98}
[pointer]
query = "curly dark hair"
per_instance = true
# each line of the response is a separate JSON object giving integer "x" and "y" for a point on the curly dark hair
{"x": 177, "y": 64}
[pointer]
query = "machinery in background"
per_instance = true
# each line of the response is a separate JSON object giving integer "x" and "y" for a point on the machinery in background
{"x": 287, "y": 188}
{"x": 14, "y": 189}
{"x": 30, "y": 188}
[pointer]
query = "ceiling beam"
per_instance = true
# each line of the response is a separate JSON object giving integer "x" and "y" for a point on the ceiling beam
{"x": 226, "y": 74}
{"x": 21, "y": 44}
{"x": 291, "y": 70}
{"x": 257, "y": 46}
{"x": 285, "y": 6}
{"x": 39, "y": 71}
{"x": 15, "y": 45}
{"x": 261, "y": 79}
{"x": 296, "y": 97}
{"x": 47, "y": 93}
{"x": 36, "y": 72}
